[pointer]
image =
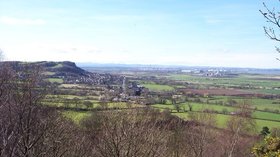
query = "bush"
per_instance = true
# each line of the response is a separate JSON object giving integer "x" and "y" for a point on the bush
{"x": 269, "y": 148}
{"x": 225, "y": 111}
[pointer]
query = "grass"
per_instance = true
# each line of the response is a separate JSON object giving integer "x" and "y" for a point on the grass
{"x": 267, "y": 91}
{"x": 269, "y": 124}
{"x": 71, "y": 105}
{"x": 263, "y": 104}
{"x": 259, "y": 103}
{"x": 266, "y": 115}
{"x": 222, "y": 121}
{"x": 55, "y": 80}
{"x": 72, "y": 97}
{"x": 197, "y": 107}
{"x": 56, "y": 104}
{"x": 75, "y": 116}
{"x": 271, "y": 118}
{"x": 157, "y": 87}
{"x": 122, "y": 105}
{"x": 69, "y": 85}
{"x": 240, "y": 81}
{"x": 76, "y": 86}
{"x": 58, "y": 66}
{"x": 58, "y": 101}
{"x": 48, "y": 73}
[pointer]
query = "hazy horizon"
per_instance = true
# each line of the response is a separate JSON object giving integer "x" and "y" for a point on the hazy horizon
{"x": 91, "y": 64}
{"x": 160, "y": 32}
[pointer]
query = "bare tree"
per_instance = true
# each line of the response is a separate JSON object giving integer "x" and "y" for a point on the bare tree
{"x": 177, "y": 143}
{"x": 27, "y": 128}
{"x": 240, "y": 124}
{"x": 272, "y": 17}
{"x": 202, "y": 136}
{"x": 128, "y": 133}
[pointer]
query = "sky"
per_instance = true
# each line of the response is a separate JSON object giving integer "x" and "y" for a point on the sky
{"x": 226, "y": 33}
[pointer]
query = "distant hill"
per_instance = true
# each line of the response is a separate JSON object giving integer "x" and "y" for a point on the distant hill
{"x": 65, "y": 68}
{"x": 67, "y": 72}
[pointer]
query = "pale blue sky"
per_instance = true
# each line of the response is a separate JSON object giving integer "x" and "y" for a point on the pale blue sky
{"x": 171, "y": 32}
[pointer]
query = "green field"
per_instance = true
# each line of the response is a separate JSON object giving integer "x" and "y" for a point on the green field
{"x": 75, "y": 116}
{"x": 73, "y": 101}
{"x": 266, "y": 115}
{"x": 55, "y": 80}
{"x": 266, "y": 91}
{"x": 122, "y": 105}
{"x": 244, "y": 81}
{"x": 157, "y": 87}
{"x": 258, "y": 103}
{"x": 197, "y": 107}
{"x": 58, "y": 66}
{"x": 222, "y": 121}
{"x": 71, "y": 97}
{"x": 70, "y": 85}
{"x": 48, "y": 73}
{"x": 270, "y": 118}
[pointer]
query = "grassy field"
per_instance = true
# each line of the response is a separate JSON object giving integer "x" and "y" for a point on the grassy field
{"x": 122, "y": 105}
{"x": 266, "y": 91}
{"x": 48, "y": 73}
{"x": 58, "y": 66}
{"x": 244, "y": 81}
{"x": 62, "y": 100}
{"x": 76, "y": 86}
{"x": 222, "y": 121}
{"x": 266, "y": 115}
{"x": 259, "y": 103}
{"x": 70, "y": 85}
{"x": 220, "y": 109}
{"x": 197, "y": 107}
{"x": 55, "y": 80}
{"x": 75, "y": 116}
{"x": 72, "y": 97}
{"x": 270, "y": 118}
{"x": 157, "y": 87}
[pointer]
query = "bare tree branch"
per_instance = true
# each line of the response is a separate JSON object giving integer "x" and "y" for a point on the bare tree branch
{"x": 273, "y": 18}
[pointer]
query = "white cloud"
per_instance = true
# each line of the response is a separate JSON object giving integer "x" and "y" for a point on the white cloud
{"x": 19, "y": 21}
